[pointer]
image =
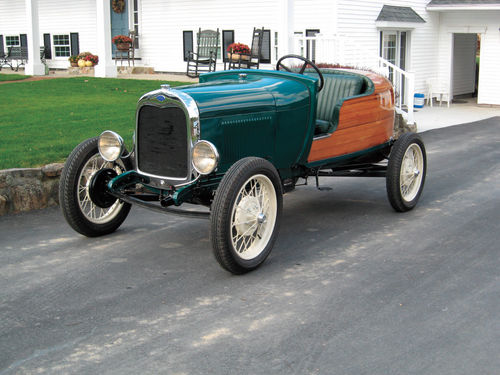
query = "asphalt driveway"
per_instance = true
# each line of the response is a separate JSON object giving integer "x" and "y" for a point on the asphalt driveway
{"x": 351, "y": 287}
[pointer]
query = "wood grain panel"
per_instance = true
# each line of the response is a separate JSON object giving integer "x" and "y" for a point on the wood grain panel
{"x": 363, "y": 123}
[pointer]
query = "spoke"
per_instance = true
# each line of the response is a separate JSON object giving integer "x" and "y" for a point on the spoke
{"x": 286, "y": 68}
{"x": 245, "y": 238}
{"x": 303, "y": 68}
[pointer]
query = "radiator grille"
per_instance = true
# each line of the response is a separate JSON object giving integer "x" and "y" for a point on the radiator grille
{"x": 162, "y": 142}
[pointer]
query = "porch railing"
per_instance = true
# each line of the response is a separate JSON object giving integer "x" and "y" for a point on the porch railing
{"x": 404, "y": 88}
{"x": 341, "y": 50}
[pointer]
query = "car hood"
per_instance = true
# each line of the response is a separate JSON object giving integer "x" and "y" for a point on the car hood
{"x": 239, "y": 92}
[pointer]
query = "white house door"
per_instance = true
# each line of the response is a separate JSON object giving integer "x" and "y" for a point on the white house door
{"x": 394, "y": 48}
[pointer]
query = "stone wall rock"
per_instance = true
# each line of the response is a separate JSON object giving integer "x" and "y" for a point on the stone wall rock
{"x": 24, "y": 189}
{"x": 401, "y": 126}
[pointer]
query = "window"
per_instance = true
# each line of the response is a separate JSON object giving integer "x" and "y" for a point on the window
{"x": 393, "y": 47}
{"x": 12, "y": 40}
{"x": 298, "y": 42}
{"x": 62, "y": 46}
{"x": 311, "y": 44}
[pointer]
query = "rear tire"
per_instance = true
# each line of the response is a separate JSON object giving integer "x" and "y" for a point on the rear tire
{"x": 246, "y": 215}
{"x": 79, "y": 210}
{"x": 406, "y": 172}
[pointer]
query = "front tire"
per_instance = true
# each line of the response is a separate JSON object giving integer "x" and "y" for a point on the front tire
{"x": 406, "y": 172}
{"x": 76, "y": 195}
{"x": 246, "y": 215}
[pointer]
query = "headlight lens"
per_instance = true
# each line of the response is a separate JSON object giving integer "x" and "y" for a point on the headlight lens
{"x": 205, "y": 157}
{"x": 110, "y": 145}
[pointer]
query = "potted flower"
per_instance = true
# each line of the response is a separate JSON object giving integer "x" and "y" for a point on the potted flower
{"x": 73, "y": 60}
{"x": 91, "y": 60}
{"x": 235, "y": 51}
{"x": 87, "y": 59}
{"x": 122, "y": 42}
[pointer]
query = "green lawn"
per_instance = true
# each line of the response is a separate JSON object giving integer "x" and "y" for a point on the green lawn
{"x": 12, "y": 77}
{"x": 42, "y": 121}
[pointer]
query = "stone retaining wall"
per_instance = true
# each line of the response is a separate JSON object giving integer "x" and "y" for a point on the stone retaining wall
{"x": 24, "y": 189}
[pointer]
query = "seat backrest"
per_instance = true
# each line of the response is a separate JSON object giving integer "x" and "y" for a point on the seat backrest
{"x": 208, "y": 42}
{"x": 336, "y": 88}
{"x": 18, "y": 52}
{"x": 256, "y": 48}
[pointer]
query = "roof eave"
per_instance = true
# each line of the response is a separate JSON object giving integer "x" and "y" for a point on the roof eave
{"x": 397, "y": 25}
{"x": 445, "y": 8}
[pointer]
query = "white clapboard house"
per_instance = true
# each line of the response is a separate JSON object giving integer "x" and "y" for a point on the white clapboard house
{"x": 451, "y": 46}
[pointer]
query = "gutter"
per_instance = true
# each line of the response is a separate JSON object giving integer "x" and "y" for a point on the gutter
{"x": 463, "y": 8}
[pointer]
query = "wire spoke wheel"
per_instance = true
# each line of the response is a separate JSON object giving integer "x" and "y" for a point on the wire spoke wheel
{"x": 246, "y": 214}
{"x": 79, "y": 191}
{"x": 253, "y": 217}
{"x": 89, "y": 209}
{"x": 406, "y": 172}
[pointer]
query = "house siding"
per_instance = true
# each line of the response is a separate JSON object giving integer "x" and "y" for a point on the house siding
{"x": 12, "y": 18}
{"x": 485, "y": 23}
{"x": 162, "y": 22}
{"x": 357, "y": 23}
{"x": 78, "y": 16}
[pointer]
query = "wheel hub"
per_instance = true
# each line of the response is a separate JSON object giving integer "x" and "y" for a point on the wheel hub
{"x": 248, "y": 214}
{"x": 98, "y": 189}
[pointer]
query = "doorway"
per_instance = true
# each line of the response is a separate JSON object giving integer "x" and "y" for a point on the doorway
{"x": 119, "y": 22}
{"x": 465, "y": 65}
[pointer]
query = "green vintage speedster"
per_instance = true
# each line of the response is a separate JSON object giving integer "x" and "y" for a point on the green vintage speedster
{"x": 234, "y": 143}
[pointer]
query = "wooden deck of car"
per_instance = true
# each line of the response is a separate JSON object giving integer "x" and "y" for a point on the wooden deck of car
{"x": 364, "y": 122}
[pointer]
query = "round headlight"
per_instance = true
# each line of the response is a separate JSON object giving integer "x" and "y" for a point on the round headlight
{"x": 110, "y": 145}
{"x": 205, "y": 157}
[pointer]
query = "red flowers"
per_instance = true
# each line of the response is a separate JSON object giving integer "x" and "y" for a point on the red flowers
{"x": 238, "y": 48}
{"x": 121, "y": 39}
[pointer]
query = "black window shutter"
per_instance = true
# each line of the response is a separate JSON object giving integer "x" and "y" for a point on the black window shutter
{"x": 265, "y": 52}
{"x": 47, "y": 48}
{"x": 1, "y": 46}
{"x": 227, "y": 39}
{"x": 187, "y": 43}
{"x": 24, "y": 43}
{"x": 24, "y": 40}
{"x": 75, "y": 44}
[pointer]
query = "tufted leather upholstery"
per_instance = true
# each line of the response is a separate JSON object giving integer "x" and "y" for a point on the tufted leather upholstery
{"x": 337, "y": 87}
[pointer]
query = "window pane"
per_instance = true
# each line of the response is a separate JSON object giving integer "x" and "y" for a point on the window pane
{"x": 61, "y": 40}
{"x": 12, "y": 40}
{"x": 389, "y": 48}
{"x": 61, "y": 45}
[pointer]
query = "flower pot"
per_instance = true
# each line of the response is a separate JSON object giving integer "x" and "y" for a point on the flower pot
{"x": 74, "y": 64}
{"x": 122, "y": 46}
{"x": 89, "y": 63}
{"x": 81, "y": 63}
{"x": 237, "y": 56}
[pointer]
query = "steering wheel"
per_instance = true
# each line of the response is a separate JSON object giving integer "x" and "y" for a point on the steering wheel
{"x": 307, "y": 62}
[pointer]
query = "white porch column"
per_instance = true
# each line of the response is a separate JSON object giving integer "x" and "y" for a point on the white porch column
{"x": 34, "y": 66}
{"x": 105, "y": 67}
{"x": 286, "y": 39}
